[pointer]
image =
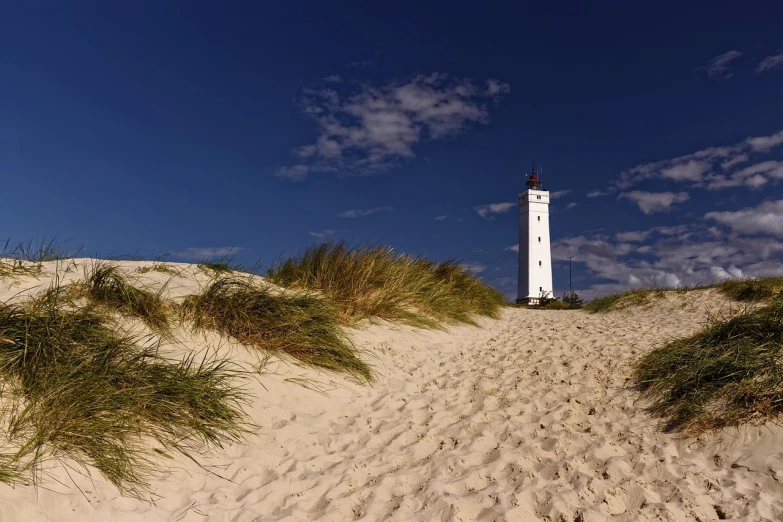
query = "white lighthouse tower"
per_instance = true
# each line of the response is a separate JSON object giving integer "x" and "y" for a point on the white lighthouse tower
{"x": 535, "y": 257}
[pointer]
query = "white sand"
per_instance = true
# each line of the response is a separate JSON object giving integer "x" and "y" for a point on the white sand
{"x": 526, "y": 419}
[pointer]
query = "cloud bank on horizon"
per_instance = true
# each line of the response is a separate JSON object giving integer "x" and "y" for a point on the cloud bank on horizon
{"x": 718, "y": 244}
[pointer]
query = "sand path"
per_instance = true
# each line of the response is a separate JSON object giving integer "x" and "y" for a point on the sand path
{"x": 526, "y": 419}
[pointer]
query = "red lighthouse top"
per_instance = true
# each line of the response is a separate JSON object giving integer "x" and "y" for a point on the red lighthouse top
{"x": 533, "y": 183}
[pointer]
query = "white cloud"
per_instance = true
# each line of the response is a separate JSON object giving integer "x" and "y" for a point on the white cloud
{"x": 699, "y": 168}
{"x": 474, "y": 267}
{"x": 333, "y": 78}
{"x": 559, "y": 193}
{"x": 597, "y": 193}
{"x": 374, "y": 128}
{"x": 632, "y": 236}
{"x": 358, "y": 212}
{"x": 651, "y": 202}
{"x": 486, "y": 211}
{"x": 685, "y": 255}
{"x": 753, "y": 176}
{"x": 294, "y": 172}
{"x": 496, "y": 87}
{"x": 513, "y": 248}
{"x": 692, "y": 170}
{"x": 322, "y": 234}
{"x": 571, "y": 205}
{"x": 770, "y": 62}
{"x": 719, "y": 68}
{"x": 756, "y": 181}
{"x": 766, "y": 218}
{"x": 208, "y": 253}
{"x": 718, "y": 272}
{"x": 765, "y": 143}
{"x": 736, "y": 160}
{"x": 441, "y": 218}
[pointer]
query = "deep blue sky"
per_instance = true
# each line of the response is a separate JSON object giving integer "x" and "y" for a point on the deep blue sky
{"x": 177, "y": 127}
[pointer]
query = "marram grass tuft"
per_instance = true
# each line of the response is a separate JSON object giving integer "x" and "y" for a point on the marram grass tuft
{"x": 729, "y": 373}
{"x": 78, "y": 389}
{"x": 107, "y": 285}
{"x": 759, "y": 289}
{"x": 374, "y": 281}
{"x": 303, "y": 327}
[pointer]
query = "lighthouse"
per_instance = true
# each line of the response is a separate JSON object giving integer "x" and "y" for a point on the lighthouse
{"x": 535, "y": 257}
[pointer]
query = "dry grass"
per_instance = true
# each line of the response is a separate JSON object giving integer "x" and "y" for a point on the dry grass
{"x": 729, "y": 373}
{"x": 25, "y": 259}
{"x": 13, "y": 268}
{"x": 108, "y": 286}
{"x": 303, "y": 327}
{"x": 759, "y": 289}
{"x": 374, "y": 281}
{"x": 623, "y": 300}
{"x": 751, "y": 289}
{"x": 80, "y": 390}
{"x": 158, "y": 267}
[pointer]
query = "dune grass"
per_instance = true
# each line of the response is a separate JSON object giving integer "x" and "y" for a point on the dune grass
{"x": 80, "y": 390}
{"x": 10, "y": 267}
{"x": 215, "y": 268}
{"x": 729, "y": 373}
{"x": 221, "y": 266}
{"x": 42, "y": 251}
{"x": 157, "y": 266}
{"x": 303, "y": 327}
{"x": 621, "y": 300}
{"x": 374, "y": 281}
{"x": 745, "y": 289}
{"x": 751, "y": 289}
{"x": 108, "y": 286}
{"x": 26, "y": 259}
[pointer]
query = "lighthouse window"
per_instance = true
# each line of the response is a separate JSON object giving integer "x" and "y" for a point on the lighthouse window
{"x": 539, "y": 239}
{"x": 539, "y": 263}
{"x": 538, "y": 197}
{"x": 539, "y": 218}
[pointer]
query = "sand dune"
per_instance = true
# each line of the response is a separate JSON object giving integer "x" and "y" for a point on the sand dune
{"x": 528, "y": 418}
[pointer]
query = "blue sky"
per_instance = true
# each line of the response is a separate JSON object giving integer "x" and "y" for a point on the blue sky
{"x": 190, "y": 128}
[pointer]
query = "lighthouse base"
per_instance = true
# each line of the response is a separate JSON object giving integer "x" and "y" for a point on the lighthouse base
{"x": 528, "y": 300}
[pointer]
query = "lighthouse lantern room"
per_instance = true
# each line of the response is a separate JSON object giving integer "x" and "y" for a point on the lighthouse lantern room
{"x": 535, "y": 257}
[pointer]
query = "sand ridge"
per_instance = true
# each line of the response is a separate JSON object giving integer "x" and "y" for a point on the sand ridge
{"x": 528, "y": 418}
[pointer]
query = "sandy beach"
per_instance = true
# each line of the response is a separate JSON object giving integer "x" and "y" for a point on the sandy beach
{"x": 527, "y": 418}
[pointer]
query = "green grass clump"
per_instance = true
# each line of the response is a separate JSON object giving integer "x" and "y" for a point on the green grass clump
{"x": 374, "y": 281}
{"x": 751, "y": 289}
{"x": 219, "y": 267}
{"x": 10, "y": 267}
{"x": 303, "y": 327}
{"x": 554, "y": 304}
{"x": 729, "y": 373}
{"x": 623, "y": 300}
{"x": 108, "y": 286}
{"x": 158, "y": 267}
{"x": 216, "y": 268}
{"x": 26, "y": 259}
{"x": 43, "y": 251}
{"x": 82, "y": 391}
